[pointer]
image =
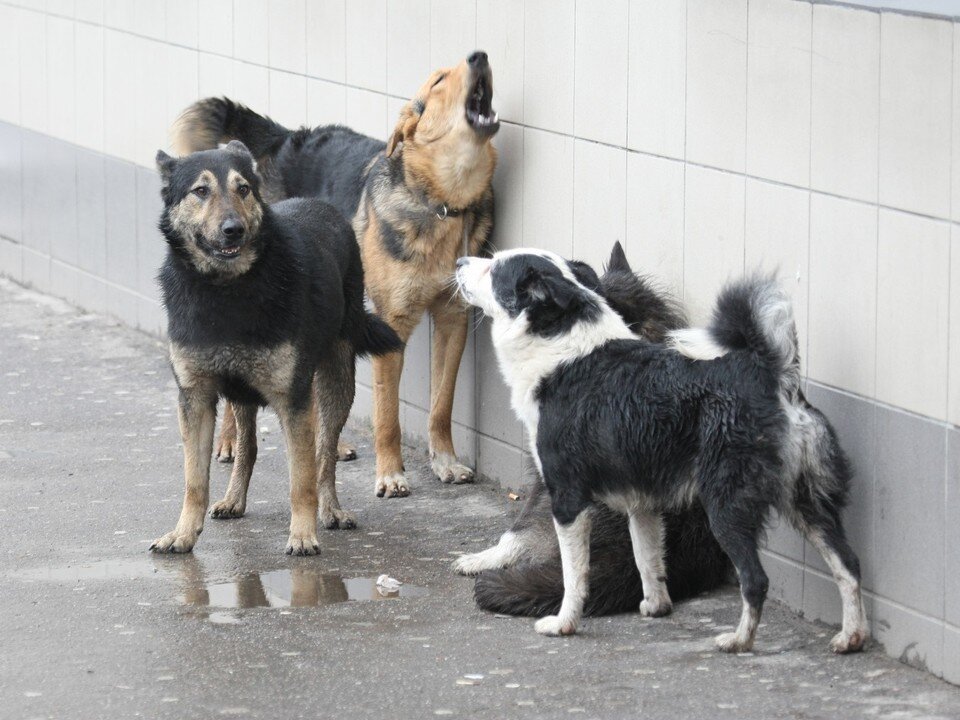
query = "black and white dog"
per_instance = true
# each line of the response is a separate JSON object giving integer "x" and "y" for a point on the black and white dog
{"x": 715, "y": 414}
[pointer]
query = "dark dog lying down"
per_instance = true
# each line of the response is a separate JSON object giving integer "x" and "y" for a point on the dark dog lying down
{"x": 521, "y": 575}
{"x": 265, "y": 307}
{"x": 714, "y": 415}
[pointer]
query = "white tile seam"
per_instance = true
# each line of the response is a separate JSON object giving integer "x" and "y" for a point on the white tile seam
{"x": 950, "y": 291}
{"x": 746, "y": 138}
{"x": 683, "y": 200}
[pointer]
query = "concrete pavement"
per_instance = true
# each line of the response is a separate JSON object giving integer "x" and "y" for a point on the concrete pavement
{"x": 93, "y": 626}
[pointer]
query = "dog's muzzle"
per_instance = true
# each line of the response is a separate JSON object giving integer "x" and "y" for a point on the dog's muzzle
{"x": 480, "y": 113}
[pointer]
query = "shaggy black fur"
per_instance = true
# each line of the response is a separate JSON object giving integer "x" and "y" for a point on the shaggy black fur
{"x": 305, "y": 287}
{"x": 695, "y": 561}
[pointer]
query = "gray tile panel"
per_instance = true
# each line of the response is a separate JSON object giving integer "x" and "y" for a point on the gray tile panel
{"x": 151, "y": 246}
{"x": 37, "y": 227}
{"x": 11, "y": 226}
{"x": 909, "y": 511}
{"x": 121, "y": 222}
{"x": 952, "y": 543}
{"x": 91, "y": 212}
{"x": 60, "y": 204}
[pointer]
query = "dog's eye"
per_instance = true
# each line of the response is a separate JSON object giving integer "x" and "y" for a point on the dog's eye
{"x": 202, "y": 191}
{"x": 439, "y": 80}
{"x": 243, "y": 190}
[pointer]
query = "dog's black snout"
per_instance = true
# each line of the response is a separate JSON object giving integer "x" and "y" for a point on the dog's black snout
{"x": 477, "y": 59}
{"x": 232, "y": 229}
{"x": 462, "y": 261}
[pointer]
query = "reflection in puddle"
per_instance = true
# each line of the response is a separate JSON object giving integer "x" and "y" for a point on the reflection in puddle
{"x": 295, "y": 587}
{"x": 286, "y": 587}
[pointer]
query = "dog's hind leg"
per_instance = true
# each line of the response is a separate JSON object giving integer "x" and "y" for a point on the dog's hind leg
{"x": 574, "y": 539}
{"x": 830, "y": 540}
{"x": 227, "y": 441}
{"x": 300, "y": 428}
{"x": 737, "y": 528}
{"x": 646, "y": 534}
{"x": 234, "y": 502}
{"x": 449, "y": 338}
{"x": 334, "y": 390}
{"x": 198, "y": 415}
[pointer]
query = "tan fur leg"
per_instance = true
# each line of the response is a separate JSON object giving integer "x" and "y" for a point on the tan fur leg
{"x": 234, "y": 502}
{"x": 198, "y": 415}
{"x": 386, "y": 426}
{"x": 227, "y": 442}
{"x": 386, "y": 407}
{"x": 335, "y": 389}
{"x": 449, "y": 338}
{"x": 300, "y": 429}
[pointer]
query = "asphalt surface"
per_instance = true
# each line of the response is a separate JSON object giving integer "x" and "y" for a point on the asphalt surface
{"x": 93, "y": 626}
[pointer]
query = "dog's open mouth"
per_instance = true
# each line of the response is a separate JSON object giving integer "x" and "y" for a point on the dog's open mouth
{"x": 228, "y": 252}
{"x": 480, "y": 113}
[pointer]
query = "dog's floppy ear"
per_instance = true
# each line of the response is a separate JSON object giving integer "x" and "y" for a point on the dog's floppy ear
{"x": 165, "y": 164}
{"x": 618, "y": 259}
{"x": 406, "y": 125}
{"x": 584, "y": 274}
{"x": 556, "y": 290}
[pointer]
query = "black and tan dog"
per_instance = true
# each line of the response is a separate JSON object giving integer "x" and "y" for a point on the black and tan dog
{"x": 418, "y": 203}
{"x": 265, "y": 307}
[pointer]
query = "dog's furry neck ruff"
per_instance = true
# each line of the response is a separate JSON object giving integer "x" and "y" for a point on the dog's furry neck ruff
{"x": 451, "y": 184}
{"x": 527, "y": 358}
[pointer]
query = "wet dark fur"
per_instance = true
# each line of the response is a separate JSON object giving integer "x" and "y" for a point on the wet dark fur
{"x": 270, "y": 315}
{"x": 306, "y": 286}
{"x": 714, "y": 416}
{"x": 534, "y": 587}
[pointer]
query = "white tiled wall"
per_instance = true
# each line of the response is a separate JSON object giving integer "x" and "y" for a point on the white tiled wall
{"x": 711, "y": 137}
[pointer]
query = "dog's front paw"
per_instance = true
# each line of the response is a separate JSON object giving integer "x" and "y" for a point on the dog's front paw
{"x": 392, "y": 486}
{"x": 655, "y": 608}
{"x": 446, "y": 467}
{"x": 226, "y": 509}
{"x": 300, "y": 544}
{"x": 843, "y": 643}
{"x": 553, "y": 626}
{"x": 731, "y": 643}
{"x": 175, "y": 542}
{"x": 472, "y": 564}
{"x": 346, "y": 452}
{"x": 337, "y": 519}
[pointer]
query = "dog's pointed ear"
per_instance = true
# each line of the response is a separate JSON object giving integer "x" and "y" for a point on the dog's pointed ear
{"x": 165, "y": 165}
{"x": 238, "y": 148}
{"x": 406, "y": 124}
{"x": 618, "y": 259}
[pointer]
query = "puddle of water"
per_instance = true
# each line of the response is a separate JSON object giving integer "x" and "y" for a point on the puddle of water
{"x": 296, "y": 587}
{"x": 286, "y": 587}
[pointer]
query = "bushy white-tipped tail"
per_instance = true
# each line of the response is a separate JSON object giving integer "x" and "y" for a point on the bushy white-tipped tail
{"x": 752, "y": 314}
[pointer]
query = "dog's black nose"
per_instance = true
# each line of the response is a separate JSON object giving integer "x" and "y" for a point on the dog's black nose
{"x": 477, "y": 59}
{"x": 462, "y": 261}
{"x": 232, "y": 229}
